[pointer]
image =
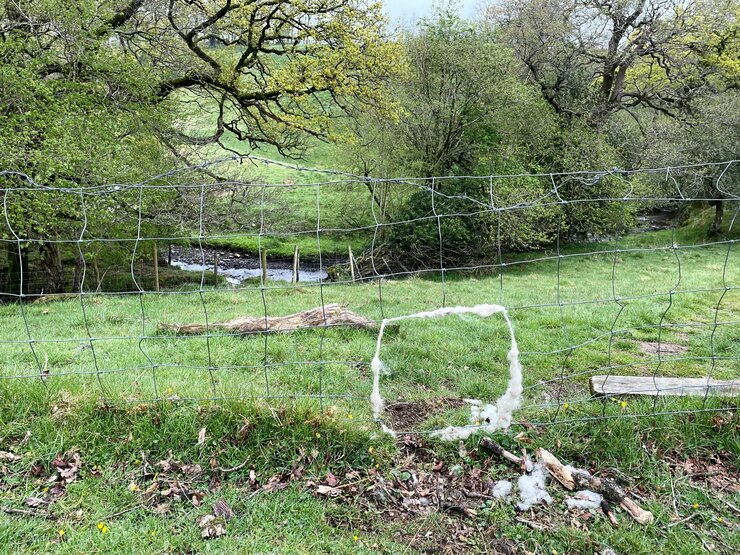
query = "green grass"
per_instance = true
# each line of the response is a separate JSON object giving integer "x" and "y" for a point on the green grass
{"x": 455, "y": 357}
{"x": 339, "y": 204}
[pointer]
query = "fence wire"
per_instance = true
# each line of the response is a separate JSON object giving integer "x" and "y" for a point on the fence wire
{"x": 604, "y": 273}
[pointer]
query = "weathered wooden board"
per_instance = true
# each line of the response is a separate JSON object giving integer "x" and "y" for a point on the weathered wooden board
{"x": 647, "y": 385}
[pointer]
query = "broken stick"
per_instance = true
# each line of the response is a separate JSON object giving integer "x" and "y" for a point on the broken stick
{"x": 489, "y": 445}
{"x": 576, "y": 478}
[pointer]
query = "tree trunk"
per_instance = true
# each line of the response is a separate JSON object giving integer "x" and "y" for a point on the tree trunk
{"x": 79, "y": 269}
{"x": 719, "y": 210}
{"x": 52, "y": 264}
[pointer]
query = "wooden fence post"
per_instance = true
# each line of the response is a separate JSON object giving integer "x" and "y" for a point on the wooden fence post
{"x": 296, "y": 264}
{"x": 263, "y": 254}
{"x": 156, "y": 266}
{"x": 352, "y": 264}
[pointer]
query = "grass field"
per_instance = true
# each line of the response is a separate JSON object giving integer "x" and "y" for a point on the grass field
{"x": 94, "y": 402}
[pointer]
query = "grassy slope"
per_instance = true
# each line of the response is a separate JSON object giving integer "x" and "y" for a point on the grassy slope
{"x": 339, "y": 210}
{"x": 454, "y": 357}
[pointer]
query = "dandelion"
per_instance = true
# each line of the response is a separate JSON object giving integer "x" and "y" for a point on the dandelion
{"x": 318, "y": 435}
{"x": 695, "y": 505}
{"x": 355, "y": 537}
{"x": 566, "y": 406}
{"x": 133, "y": 487}
{"x": 720, "y": 519}
{"x": 623, "y": 404}
{"x": 350, "y": 416}
{"x": 370, "y": 450}
{"x": 61, "y": 533}
{"x": 100, "y": 525}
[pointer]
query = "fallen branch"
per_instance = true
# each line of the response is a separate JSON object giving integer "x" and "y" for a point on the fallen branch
{"x": 489, "y": 445}
{"x": 607, "y": 508}
{"x": 331, "y": 315}
{"x": 576, "y": 478}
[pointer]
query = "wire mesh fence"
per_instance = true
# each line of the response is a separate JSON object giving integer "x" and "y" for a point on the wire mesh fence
{"x": 181, "y": 288}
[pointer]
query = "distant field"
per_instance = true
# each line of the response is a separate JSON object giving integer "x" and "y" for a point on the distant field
{"x": 340, "y": 207}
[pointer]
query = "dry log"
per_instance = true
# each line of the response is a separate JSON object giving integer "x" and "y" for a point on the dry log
{"x": 576, "y": 478}
{"x": 330, "y": 316}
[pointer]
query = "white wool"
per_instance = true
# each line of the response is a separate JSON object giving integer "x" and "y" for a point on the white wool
{"x": 584, "y": 500}
{"x": 453, "y": 433}
{"x": 501, "y": 489}
{"x": 528, "y": 464}
{"x": 488, "y": 418}
{"x": 532, "y": 489}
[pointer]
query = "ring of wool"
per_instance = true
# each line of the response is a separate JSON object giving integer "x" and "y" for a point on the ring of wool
{"x": 493, "y": 417}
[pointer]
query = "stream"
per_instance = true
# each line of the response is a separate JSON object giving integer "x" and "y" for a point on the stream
{"x": 237, "y": 267}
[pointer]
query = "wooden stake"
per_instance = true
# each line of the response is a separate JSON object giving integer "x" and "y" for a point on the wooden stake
{"x": 296, "y": 264}
{"x": 215, "y": 265}
{"x": 351, "y": 264}
{"x": 263, "y": 254}
{"x": 156, "y": 267}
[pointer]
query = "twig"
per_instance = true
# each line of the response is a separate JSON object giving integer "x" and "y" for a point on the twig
{"x": 123, "y": 512}
{"x": 532, "y": 525}
{"x": 607, "y": 508}
{"x": 23, "y": 512}
{"x": 489, "y": 445}
{"x": 475, "y": 494}
{"x": 233, "y": 469}
{"x": 693, "y": 515}
{"x": 342, "y": 486}
{"x": 732, "y": 507}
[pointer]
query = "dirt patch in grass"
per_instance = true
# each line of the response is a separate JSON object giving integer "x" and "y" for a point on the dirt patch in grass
{"x": 715, "y": 472}
{"x": 408, "y": 415}
{"x": 654, "y": 348}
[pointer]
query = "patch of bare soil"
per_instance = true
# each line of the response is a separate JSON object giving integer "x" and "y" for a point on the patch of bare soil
{"x": 654, "y": 348}
{"x": 408, "y": 415}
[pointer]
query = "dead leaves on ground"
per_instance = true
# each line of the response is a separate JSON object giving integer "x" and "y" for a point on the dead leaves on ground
{"x": 716, "y": 472}
{"x": 211, "y": 526}
{"x": 8, "y": 457}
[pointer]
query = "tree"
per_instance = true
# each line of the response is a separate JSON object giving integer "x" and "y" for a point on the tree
{"x": 460, "y": 100}
{"x": 595, "y": 58}
{"x": 92, "y": 91}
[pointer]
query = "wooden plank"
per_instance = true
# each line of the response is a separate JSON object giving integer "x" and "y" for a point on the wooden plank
{"x": 647, "y": 385}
